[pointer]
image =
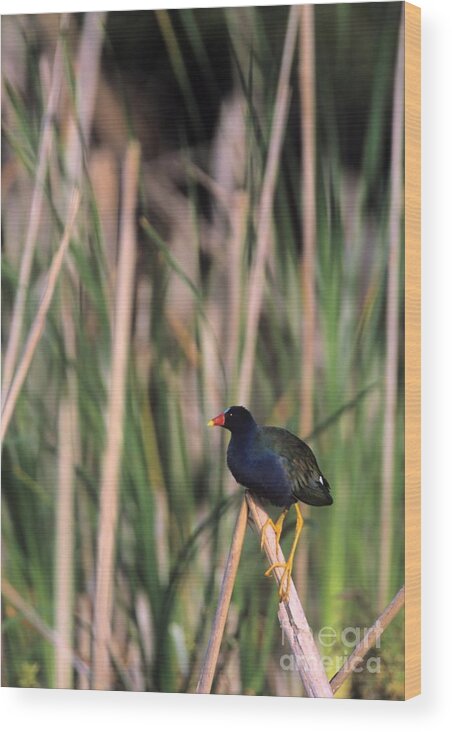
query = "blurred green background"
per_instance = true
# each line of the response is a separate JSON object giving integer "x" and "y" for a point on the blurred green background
{"x": 198, "y": 89}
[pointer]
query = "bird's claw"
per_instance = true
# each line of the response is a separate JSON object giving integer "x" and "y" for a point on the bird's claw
{"x": 277, "y": 528}
{"x": 284, "y": 583}
{"x": 269, "y": 522}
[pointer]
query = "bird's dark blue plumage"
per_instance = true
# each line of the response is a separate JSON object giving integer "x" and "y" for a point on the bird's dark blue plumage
{"x": 271, "y": 462}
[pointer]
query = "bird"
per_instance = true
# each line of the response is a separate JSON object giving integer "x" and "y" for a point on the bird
{"x": 276, "y": 466}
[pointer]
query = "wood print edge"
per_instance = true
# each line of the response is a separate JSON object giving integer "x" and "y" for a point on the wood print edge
{"x": 412, "y": 350}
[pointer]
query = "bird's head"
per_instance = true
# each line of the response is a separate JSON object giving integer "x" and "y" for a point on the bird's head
{"x": 234, "y": 419}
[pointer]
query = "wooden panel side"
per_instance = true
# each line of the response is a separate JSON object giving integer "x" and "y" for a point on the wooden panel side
{"x": 412, "y": 350}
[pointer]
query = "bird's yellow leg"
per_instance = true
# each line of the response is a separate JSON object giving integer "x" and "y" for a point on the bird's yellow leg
{"x": 284, "y": 583}
{"x": 277, "y": 528}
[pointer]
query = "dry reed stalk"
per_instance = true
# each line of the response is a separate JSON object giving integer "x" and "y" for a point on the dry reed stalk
{"x": 40, "y": 319}
{"x": 185, "y": 338}
{"x": 392, "y": 325}
{"x": 88, "y": 60}
{"x": 306, "y": 73}
{"x": 87, "y": 66}
{"x": 308, "y": 209}
{"x": 156, "y": 479}
{"x": 111, "y": 465}
{"x": 44, "y": 154}
{"x": 104, "y": 177}
{"x": 224, "y": 600}
{"x": 264, "y": 219}
{"x": 291, "y": 614}
{"x": 238, "y": 218}
{"x": 369, "y": 640}
{"x": 64, "y": 540}
{"x": 83, "y": 635}
{"x": 16, "y": 600}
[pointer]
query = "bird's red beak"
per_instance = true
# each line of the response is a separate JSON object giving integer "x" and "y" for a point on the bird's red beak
{"x": 216, "y": 421}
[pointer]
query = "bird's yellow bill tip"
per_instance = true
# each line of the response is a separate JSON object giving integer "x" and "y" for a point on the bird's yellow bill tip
{"x": 216, "y": 421}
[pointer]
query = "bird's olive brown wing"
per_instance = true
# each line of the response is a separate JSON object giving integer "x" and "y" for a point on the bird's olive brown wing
{"x": 307, "y": 481}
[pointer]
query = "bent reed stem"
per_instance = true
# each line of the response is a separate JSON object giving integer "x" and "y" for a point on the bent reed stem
{"x": 224, "y": 600}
